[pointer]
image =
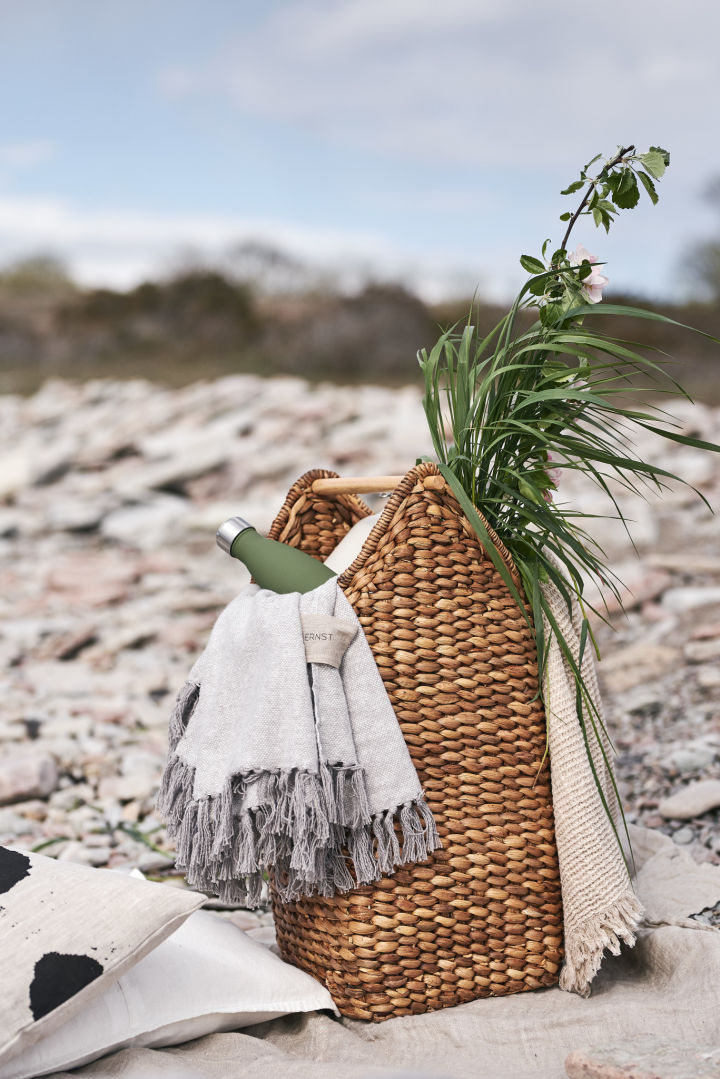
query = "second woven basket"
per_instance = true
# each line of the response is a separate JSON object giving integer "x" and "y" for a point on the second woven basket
{"x": 483, "y": 916}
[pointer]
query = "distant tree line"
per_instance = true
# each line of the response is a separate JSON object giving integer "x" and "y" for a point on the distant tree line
{"x": 260, "y": 310}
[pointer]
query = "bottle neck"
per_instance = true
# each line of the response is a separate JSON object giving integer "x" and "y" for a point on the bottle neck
{"x": 229, "y": 531}
{"x": 243, "y": 540}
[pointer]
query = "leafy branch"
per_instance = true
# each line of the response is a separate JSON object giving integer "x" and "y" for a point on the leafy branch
{"x": 507, "y": 410}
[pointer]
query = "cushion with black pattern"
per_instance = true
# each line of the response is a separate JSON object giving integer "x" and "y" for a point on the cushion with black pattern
{"x": 67, "y": 932}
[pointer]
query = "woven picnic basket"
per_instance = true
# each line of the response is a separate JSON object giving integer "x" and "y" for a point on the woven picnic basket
{"x": 483, "y": 916}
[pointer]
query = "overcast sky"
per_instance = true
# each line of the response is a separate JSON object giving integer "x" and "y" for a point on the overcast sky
{"x": 422, "y": 139}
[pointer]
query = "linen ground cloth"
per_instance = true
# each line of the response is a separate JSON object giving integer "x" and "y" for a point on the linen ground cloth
{"x": 665, "y": 988}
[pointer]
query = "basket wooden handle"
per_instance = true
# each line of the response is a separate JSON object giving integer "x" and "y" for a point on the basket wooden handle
{"x": 340, "y": 485}
{"x": 358, "y": 485}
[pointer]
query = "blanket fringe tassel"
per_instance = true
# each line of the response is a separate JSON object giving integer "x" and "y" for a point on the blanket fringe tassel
{"x": 307, "y": 828}
{"x": 608, "y": 930}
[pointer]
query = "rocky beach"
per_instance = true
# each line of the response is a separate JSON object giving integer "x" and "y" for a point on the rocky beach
{"x": 110, "y": 494}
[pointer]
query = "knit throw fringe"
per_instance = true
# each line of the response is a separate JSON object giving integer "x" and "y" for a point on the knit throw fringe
{"x": 306, "y": 828}
{"x": 609, "y": 930}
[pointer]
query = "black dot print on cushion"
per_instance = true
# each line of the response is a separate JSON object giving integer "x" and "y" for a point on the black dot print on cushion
{"x": 59, "y": 977}
{"x": 14, "y": 867}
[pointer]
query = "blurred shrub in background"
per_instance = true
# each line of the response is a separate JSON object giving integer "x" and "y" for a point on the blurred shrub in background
{"x": 259, "y": 310}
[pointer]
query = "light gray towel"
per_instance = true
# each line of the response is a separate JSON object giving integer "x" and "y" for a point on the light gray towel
{"x": 278, "y": 764}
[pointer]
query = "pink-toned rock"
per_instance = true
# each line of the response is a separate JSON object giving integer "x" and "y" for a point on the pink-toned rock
{"x": 125, "y": 788}
{"x": 25, "y": 776}
{"x": 640, "y": 662}
{"x": 645, "y": 1059}
{"x": 640, "y": 584}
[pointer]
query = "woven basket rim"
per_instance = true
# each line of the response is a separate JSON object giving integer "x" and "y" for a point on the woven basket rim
{"x": 418, "y": 473}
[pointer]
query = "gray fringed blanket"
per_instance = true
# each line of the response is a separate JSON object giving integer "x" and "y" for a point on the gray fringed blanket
{"x": 281, "y": 757}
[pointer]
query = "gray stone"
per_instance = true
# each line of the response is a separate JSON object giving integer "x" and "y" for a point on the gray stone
{"x": 637, "y": 664}
{"x": 191, "y": 462}
{"x": 152, "y": 862}
{"x": 691, "y": 801}
{"x": 683, "y": 836}
{"x": 93, "y": 856}
{"x": 645, "y": 1058}
{"x": 692, "y": 757}
{"x": 125, "y": 788}
{"x": 146, "y": 525}
{"x": 702, "y": 651}
{"x": 12, "y": 825}
{"x": 26, "y": 775}
{"x": 680, "y": 600}
{"x": 75, "y": 515}
{"x": 15, "y": 472}
{"x": 708, "y": 677}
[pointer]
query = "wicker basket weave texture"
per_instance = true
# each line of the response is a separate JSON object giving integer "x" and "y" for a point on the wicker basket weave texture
{"x": 482, "y": 917}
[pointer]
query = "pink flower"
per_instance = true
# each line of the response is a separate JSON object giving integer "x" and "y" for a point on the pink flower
{"x": 593, "y": 284}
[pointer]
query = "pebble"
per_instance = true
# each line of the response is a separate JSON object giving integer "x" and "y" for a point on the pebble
{"x": 683, "y": 835}
{"x": 26, "y": 775}
{"x": 85, "y": 855}
{"x": 702, "y": 651}
{"x": 641, "y": 662}
{"x": 243, "y": 919}
{"x": 691, "y": 801}
{"x": 691, "y": 758}
{"x": 146, "y": 525}
{"x": 687, "y": 599}
{"x": 708, "y": 677}
{"x": 15, "y": 473}
{"x": 152, "y": 862}
{"x": 645, "y": 1058}
{"x": 121, "y": 788}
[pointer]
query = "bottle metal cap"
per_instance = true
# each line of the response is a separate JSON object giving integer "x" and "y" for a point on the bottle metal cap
{"x": 229, "y": 531}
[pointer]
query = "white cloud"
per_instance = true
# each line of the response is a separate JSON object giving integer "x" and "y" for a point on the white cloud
{"x": 118, "y": 248}
{"x": 475, "y": 81}
{"x": 26, "y": 154}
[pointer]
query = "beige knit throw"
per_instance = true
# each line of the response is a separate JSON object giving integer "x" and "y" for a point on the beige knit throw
{"x": 600, "y": 906}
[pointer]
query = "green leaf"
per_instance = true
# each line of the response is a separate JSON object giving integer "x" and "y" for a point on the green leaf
{"x": 573, "y": 187}
{"x": 602, "y": 217}
{"x": 626, "y": 193}
{"x": 655, "y": 162}
{"x": 565, "y": 217}
{"x": 532, "y": 265}
{"x": 592, "y": 162}
{"x": 666, "y": 155}
{"x": 550, "y": 313}
{"x": 649, "y": 187}
{"x": 528, "y": 490}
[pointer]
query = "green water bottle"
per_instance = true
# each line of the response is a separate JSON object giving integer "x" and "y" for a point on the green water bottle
{"x": 273, "y": 565}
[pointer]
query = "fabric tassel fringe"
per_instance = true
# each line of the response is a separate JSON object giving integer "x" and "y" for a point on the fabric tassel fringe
{"x": 306, "y": 828}
{"x": 608, "y": 930}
